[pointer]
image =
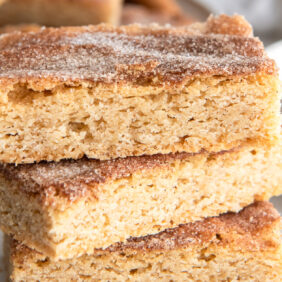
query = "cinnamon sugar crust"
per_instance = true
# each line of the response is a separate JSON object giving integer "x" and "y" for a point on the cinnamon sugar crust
{"x": 106, "y": 92}
{"x": 245, "y": 224}
{"x": 224, "y": 24}
{"x": 225, "y": 248}
{"x": 243, "y": 230}
{"x": 51, "y": 206}
{"x": 72, "y": 178}
{"x": 135, "y": 54}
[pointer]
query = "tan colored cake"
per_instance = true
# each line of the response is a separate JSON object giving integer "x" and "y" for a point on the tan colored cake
{"x": 69, "y": 208}
{"x": 60, "y": 12}
{"x": 108, "y": 92}
{"x": 232, "y": 247}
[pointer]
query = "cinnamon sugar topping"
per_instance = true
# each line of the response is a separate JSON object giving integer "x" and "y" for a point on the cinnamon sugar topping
{"x": 135, "y": 54}
{"x": 240, "y": 227}
{"x": 73, "y": 178}
{"x": 243, "y": 230}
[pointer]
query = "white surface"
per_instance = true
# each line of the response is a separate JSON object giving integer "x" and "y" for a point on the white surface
{"x": 275, "y": 52}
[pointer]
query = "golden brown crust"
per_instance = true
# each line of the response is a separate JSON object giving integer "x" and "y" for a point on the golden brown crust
{"x": 135, "y": 54}
{"x": 224, "y": 24}
{"x": 72, "y": 178}
{"x": 243, "y": 227}
{"x": 244, "y": 230}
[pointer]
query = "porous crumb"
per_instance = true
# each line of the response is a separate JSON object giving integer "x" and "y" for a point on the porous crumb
{"x": 107, "y": 92}
{"x": 224, "y": 248}
{"x": 68, "y": 208}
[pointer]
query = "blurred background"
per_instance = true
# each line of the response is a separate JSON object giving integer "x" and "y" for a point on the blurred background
{"x": 264, "y": 15}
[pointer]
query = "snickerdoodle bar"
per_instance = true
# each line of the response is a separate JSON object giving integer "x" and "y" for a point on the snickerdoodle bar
{"x": 108, "y": 92}
{"x": 68, "y": 208}
{"x": 232, "y": 247}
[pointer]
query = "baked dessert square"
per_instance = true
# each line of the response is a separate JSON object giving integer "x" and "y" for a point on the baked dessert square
{"x": 60, "y": 12}
{"x": 68, "y": 208}
{"x": 232, "y": 247}
{"x": 108, "y": 92}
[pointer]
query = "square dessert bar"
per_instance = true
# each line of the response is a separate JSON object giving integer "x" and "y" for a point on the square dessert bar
{"x": 108, "y": 92}
{"x": 68, "y": 208}
{"x": 232, "y": 247}
{"x": 60, "y": 12}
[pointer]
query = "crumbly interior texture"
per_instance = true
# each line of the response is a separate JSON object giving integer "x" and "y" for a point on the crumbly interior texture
{"x": 45, "y": 12}
{"x": 109, "y": 92}
{"x": 214, "y": 114}
{"x": 147, "y": 201}
{"x": 217, "y": 251}
{"x": 198, "y": 264}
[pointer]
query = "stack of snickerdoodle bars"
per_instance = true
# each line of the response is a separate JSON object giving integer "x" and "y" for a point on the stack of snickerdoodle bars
{"x": 140, "y": 153}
